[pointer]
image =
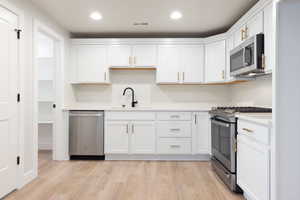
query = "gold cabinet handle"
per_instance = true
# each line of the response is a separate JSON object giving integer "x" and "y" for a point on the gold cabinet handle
{"x": 134, "y": 60}
{"x": 263, "y": 61}
{"x": 223, "y": 74}
{"x": 248, "y": 130}
{"x": 178, "y": 76}
{"x": 246, "y": 32}
{"x": 104, "y": 76}
{"x": 130, "y": 60}
{"x": 242, "y": 34}
{"x": 183, "y": 76}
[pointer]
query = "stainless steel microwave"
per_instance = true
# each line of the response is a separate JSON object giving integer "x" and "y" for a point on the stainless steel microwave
{"x": 248, "y": 58}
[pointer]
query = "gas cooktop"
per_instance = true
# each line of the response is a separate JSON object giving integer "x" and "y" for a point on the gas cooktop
{"x": 243, "y": 109}
{"x": 229, "y": 113}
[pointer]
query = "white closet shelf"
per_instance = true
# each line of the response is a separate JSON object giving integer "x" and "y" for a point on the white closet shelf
{"x": 46, "y": 100}
{"x": 45, "y": 122}
{"x": 46, "y": 80}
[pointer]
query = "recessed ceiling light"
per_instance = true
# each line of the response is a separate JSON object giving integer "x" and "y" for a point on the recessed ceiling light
{"x": 176, "y": 15}
{"x": 95, "y": 16}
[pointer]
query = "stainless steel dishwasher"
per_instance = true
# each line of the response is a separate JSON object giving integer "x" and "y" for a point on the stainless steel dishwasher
{"x": 86, "y": 134}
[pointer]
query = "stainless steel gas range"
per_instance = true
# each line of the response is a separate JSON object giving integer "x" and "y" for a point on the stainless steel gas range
{"x": 224, "y": 147}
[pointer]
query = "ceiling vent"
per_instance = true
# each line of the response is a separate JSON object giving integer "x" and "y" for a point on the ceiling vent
{"x": 140, "y": 24}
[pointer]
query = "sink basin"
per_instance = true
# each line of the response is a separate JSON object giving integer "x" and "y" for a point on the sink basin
{"x": 130, "y": 108}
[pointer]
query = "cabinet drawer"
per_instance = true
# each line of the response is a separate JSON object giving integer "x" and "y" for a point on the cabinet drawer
{"x": 128, "y": 115}
{"x": 254, "y": 131}
{"x": 174, "y": 129}
{"x": 173, "y": 116}
{"x": 174, "y": 146}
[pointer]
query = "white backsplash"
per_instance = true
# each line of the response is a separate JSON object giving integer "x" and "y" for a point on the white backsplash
{"x": 253, "y": 93}
{"x": 147, "y": 92}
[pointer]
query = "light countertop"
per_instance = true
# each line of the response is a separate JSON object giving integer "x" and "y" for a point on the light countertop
{"x": 174, "y": 107}
{"x": 260, "y": 118}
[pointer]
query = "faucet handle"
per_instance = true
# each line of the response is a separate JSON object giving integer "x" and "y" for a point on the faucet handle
{"x": 134, "y": 103}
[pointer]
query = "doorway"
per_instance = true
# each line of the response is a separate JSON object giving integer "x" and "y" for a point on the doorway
{"x": 46, "y": 60}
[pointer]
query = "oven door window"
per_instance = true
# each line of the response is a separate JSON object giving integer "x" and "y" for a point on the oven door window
{"x": 222, "y": 138}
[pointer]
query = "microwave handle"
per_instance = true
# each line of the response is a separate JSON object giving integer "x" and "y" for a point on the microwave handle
{"x": 244, "y": 57}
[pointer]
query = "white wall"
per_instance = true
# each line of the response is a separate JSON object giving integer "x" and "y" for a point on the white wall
{"x": 147, "y": 91}
{"x": 253, "y": 93}
{"x": 30, "y": 13}
{"x": 287, "y": 101}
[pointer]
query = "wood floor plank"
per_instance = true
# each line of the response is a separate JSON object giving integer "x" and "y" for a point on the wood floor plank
{"x": 123, "y": 180}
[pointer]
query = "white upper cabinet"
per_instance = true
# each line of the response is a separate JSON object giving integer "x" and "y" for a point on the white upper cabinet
{"x": 132, "y": 56}
{"x": 239, "y": 35}
{"x": 119, "y": 55}
{"x": 192, "y": 63}
{"x": 255, "y": 25}
{"x": 144, "y": 55}
{"x": 90, "y": 63}
{"x": 269, "y": 37}
{"x": 168, "y": 70}
{"x": 180, "y": 64}
{"x": 229, "y": 47}
{"x": 252, "y": 27}
{"x": 215, "y": 61}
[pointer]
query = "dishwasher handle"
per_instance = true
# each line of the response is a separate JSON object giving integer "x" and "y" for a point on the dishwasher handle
{"x": 85, "y": 115}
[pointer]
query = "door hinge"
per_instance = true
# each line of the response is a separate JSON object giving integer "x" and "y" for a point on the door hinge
{"x": 18, "y": 97}
{"x": 18, "y": 160}
{"x": 18, "y": 31}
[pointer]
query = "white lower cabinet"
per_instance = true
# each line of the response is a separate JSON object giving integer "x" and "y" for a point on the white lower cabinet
{"x": 156, "y": 133}
{"x": 174, "y": 146}
{"x": 253, "y": 166}
{"x": 142, "y": 137}
{"x": 202, "y": 133}
{"x": 117, "y": 137}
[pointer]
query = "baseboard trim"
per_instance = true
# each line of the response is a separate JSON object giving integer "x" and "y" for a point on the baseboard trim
{"x": 202, "y": 157}
{"x": 27, "y": 178}
{"x": 45, "y": 146}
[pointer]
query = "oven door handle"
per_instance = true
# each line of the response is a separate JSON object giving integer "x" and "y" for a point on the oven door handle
{"x": 220, "y": 123}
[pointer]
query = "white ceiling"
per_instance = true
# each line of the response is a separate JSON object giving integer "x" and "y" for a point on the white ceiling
{"x": 200, "y": 17}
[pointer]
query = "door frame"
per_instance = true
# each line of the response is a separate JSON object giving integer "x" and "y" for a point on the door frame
{"x": 58, "y": 80}
{"x": 21, "y": 80}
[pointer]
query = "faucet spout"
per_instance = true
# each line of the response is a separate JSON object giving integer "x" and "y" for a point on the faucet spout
{"x": 133, "y": 102}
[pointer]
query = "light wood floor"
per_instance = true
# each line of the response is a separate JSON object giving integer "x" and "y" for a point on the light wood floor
{"x": 123, "y": 180}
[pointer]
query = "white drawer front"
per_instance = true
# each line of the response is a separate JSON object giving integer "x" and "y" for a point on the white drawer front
{"x": 129, "y": 115}
{"x": 168, "y": 116}
{"x": 174, "y": 146}
{"x": 255, "y": 131}
{"x": 174, "y": 129}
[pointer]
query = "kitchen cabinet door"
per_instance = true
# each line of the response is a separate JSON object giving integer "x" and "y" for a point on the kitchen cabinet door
{"x": 239, "y": 35}
{"x": 143, "y": 137}
{"x": 215, "y": 62}
{"x": 117, "y": 137}
{"x": 192, "y": 63}
{"x": 202, "y": 133}
{"x": 120, "y": 55}
{"x": 269, "y": 37}
{"x": 144, "y": 55}
{"x": 229, "y": 47}
{"x": 168, "y": 69}
{"x": 253, "y": 169}
{"x": 255, "y": 25}
{"x": 91, "y": 65}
